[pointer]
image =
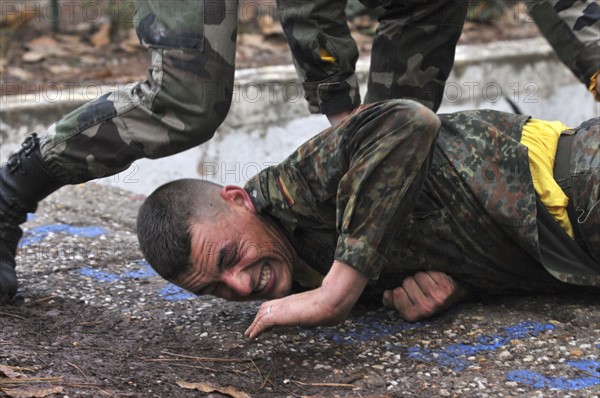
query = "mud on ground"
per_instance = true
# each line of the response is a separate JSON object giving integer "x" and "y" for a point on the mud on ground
{"x": 96, "y": 321}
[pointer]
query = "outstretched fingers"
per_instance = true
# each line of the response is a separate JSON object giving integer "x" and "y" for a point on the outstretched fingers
{"x": 264, "y": 320}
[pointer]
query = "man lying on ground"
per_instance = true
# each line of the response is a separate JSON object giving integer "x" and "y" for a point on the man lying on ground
{"x": 392, "y": 191}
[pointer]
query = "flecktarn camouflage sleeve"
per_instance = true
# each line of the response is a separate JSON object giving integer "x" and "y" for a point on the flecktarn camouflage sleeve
{"x": 371, "y": 167}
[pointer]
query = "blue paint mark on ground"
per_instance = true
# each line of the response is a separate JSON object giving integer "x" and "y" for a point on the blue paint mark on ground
{"x": 454, "y": 356}
{"x": 145, "y": 271}
{"x": 170, "y": 292}
{"x": 174, "y": 293}
{"x": 536, "y": 380}
{"x": 98, "y": 275}
{"x": 38, "y": 234}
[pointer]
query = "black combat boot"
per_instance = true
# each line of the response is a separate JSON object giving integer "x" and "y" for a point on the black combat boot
{"x": 24, "y": 181}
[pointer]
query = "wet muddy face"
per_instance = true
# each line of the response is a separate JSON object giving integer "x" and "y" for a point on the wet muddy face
{"x": 239, "y": 257}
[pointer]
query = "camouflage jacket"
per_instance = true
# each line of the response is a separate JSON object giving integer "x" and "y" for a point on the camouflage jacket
{"x": 387, "y": 194}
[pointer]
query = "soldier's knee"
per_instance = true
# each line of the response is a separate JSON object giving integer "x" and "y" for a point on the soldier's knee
{"x": 429, "y": 120}
{"x": 422, "y": 119}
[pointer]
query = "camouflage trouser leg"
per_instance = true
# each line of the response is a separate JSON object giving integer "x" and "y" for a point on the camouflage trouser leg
{"x": 573, "y": 29}
{"x": 585, "y": 184}
{"x": 413, "y": 50}
{"x": 181, "y": 104}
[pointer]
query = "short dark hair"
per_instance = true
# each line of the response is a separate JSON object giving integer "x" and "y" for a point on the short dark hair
{"x": 165, "y": 218}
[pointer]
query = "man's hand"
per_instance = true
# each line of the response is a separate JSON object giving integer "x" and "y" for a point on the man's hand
{"x": 303, "y": 309}
{"x": 329, "y": 304}
{"x": 424, "y": 295}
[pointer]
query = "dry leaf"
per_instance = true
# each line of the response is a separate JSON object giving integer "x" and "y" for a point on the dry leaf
{"x": 59, "y": 69}
{"x": 45, "y": 44}
{"x": 32, "y": 57}
{"x": 32, "y": 392}
{"x": 16, "y": 17}
{"x": 9, "y": 372}
{"x": 132, "y": 43}
{"x": 90, "y": 60}
{"x": 102, "y": 37}
{"x": 70, "y": 39}
{"x": 208, "y": 388}
{"x": 253, "y": 40}
{"x": 269, "y": 27}
{"x": 42, "y": 47}
{"x": 20, "y": 74}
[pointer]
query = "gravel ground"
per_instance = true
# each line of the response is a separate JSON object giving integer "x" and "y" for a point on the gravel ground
{"x": 96, "y": 321}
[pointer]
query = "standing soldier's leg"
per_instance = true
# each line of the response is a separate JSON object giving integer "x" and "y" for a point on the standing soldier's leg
{"x": 186, "y": 97}
{"x": 573, "y": 29}
{"x": 413, "y": 49}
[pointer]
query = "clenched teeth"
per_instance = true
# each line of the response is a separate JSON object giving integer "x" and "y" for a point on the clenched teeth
{"x": 265, "y": 275}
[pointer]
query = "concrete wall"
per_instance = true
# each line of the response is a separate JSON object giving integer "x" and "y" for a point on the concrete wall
{"x": 269, "y": 116}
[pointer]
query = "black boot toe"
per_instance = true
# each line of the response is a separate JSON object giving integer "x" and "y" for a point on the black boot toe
{"x": 8, "y": 282}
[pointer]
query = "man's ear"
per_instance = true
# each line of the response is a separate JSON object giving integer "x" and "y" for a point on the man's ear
{"x": 237, "y": 196}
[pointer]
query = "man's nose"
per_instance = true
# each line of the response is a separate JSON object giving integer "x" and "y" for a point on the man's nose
{"x": 238, "y": 282}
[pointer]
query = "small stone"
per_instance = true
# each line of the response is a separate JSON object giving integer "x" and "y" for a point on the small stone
{"x": 576, "y": 353}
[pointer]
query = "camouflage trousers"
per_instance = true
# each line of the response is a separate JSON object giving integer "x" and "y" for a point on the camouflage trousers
{"x": 571, "y": 27}
{"x": 411, "y": 58}
{"x": 185, "y": 98}
{"x": 413, "y": 49}
{"x": 573, "y": 30}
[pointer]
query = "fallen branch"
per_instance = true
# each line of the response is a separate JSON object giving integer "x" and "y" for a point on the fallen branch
{"x": 31, "y": 380}
{"x": 48, "y": 298}
{"x": 79, "y": 369}
{"x": 206, "y": 359}
{"x": 12, "y": 315}
{"x": 194, "y": 366}
{"x": 265, "y": 381}
{"x": 322, "y": 384}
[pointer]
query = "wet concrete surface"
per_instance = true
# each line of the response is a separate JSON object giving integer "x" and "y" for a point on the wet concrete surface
{"x": 97, "y": 321}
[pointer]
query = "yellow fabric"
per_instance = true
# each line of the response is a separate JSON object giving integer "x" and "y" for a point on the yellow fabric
{"x": 593, "y": 84}
{"x": 541, "y": 139}
{"x": 327, "y": 57}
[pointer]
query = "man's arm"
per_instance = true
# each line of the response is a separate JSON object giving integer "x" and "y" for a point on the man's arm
{"x": 361, "y": 178}
{"x": 324, "y": 53}
{"x": 573, "y": 30}
{"x": 329, "y": 304}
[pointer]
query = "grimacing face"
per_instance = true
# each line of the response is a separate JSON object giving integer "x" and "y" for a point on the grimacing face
{"x": 239, "y": 256}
